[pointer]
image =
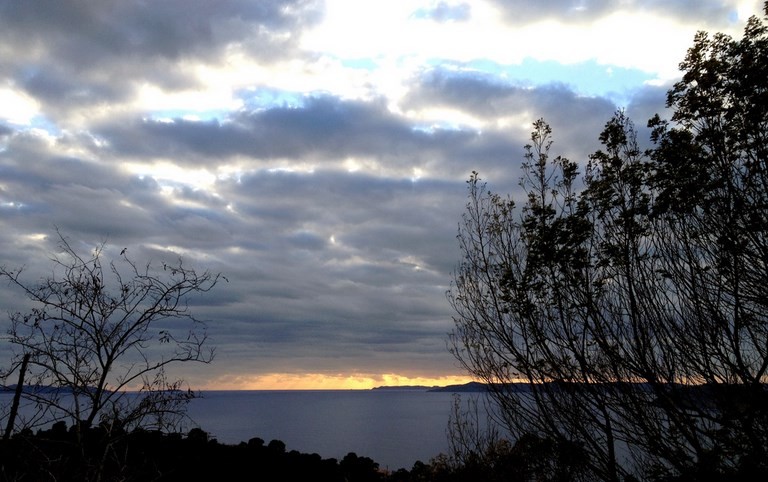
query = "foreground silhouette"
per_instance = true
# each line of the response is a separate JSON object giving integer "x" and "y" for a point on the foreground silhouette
{"x": 56, "y": 454}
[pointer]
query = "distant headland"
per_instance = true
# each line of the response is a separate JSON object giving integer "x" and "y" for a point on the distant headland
{"x": 463, "y": 388}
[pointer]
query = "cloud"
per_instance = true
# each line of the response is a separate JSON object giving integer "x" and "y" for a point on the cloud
{"x": 324, "y": 133}
{"x": 328, "y": 266}
{"x": 505, "y": 112}
{"x": 116, "y": 29}
{"x": 71, "y": 54}
{"x": 445, "y": 12}
{"x": 314, "y": 152}
{"x": 708, "y": 12}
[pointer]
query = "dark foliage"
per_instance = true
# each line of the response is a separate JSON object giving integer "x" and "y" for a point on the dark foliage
{"x": 633, "y": 298}
{"x": 56, "y": 454}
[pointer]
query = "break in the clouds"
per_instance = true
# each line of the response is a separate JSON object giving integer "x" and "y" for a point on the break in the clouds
{"x": 314, "y": 152}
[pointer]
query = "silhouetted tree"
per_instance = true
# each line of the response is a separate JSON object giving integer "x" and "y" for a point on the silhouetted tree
{"x": 634, "y": 307}
{"x": 361, "y": 469}
{"x": 96, "y": 331}
{"x": 276, "y": 446}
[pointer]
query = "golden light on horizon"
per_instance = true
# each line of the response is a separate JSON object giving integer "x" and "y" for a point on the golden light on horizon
{"x": 324, "y": 381}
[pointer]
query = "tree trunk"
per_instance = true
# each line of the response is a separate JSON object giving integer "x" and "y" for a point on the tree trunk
{"x": 16, "y": 398}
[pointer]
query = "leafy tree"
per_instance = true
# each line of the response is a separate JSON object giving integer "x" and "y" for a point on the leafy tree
{"x": 99, "y": 337}
{"x": 362, "y": 469}
{"x": 633, "y": 309}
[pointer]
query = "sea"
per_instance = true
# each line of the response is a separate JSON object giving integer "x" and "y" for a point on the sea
{"x": 395, "y": 428}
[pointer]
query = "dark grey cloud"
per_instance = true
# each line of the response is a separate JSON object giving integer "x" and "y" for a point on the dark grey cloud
{"x": 87, "y": 34}
{"x": 324, "y": 126}
{"x": 484, "y": 96}
{"x": 63, "y": 87}
{"x": 325, "y": 129}
{"x": 707, "y": 12}
{"x": 94, "y": 197}
{"x": 75, "y": 53}
{"x": 382, "y": 223}
{"x": 319, "y": 264}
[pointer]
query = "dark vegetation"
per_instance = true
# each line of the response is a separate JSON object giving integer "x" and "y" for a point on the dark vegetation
{"x": 632, "y": 298}
{"x": 60, "y": 454}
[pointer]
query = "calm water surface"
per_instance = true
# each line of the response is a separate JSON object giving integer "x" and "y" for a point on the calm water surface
{"x": 394, "y": 428}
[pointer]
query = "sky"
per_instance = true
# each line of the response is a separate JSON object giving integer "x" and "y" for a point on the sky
{"x": 314, "y": 152}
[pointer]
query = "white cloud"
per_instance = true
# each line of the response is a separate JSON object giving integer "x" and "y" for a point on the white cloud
{"x": 214, "y": 97}
{"x": 18, "y": 107}
{"x": 628, "y": 37}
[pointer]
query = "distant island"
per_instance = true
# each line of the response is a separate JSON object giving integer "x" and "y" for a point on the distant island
{"x": 467, "y": 387}
{"x": 471, "y": 387}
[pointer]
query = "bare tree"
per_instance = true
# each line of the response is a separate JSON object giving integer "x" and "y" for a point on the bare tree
{"x": 99, "y": 337}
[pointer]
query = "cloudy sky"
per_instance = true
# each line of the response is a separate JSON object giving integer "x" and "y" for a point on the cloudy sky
{"x": 314, "y": 152}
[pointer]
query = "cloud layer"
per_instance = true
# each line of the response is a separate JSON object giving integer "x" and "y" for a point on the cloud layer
{"x": 313, "y": 152}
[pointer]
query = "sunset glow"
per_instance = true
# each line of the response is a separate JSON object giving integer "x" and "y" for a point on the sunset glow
{"x": 319, "y": 381}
